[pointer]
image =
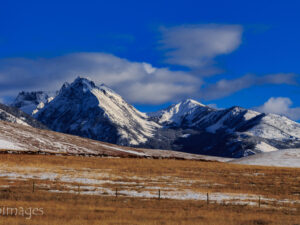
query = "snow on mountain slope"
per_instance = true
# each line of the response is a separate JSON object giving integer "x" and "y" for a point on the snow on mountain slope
{"x": 232, "y": 132}
{"x": 16, "y": 138}
{"x": 219, "y": 124}
{"x": 28, "y": 102}
{"x": 264, "y": 147}
{"x": 124, "y": 115}
{"x": 231, "y": 119}
{"x": 5, "y": 116}
{"x": 99, "y": 113}
{"x": 250, "y": 114}
{"x": 284, "y": 158}
{"x": 176, "y": 114}
{"x": 14, "y": 115}
{"x": 276, "y": 127}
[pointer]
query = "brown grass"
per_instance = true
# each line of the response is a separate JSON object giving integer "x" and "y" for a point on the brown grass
{"x": 66, "y": 208}
{"x": 78, "y": 209}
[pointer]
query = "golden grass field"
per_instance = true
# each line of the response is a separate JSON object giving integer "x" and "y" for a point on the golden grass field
{"x": 81, "y": 190}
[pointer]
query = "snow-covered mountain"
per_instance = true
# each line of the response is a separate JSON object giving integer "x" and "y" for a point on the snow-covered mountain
{"x": 96, "y": 112}
{"x": 180, "y": 114}
{"x": 14, "y": 115}
{"x": 233, "y": 132}
{"x": 30, "y": 102}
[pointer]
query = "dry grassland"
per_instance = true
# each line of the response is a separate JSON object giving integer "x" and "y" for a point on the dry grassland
{"x": 81, "y": 190}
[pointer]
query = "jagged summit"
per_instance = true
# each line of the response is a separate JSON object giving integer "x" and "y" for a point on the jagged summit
{"x": 85, "y": 82}
{"x": 96, "y": 112}
{"x": 85, "y": 85}
{"x": 28, "y": 101}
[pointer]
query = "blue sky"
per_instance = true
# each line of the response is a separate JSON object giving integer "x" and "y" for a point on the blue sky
{"x": 218, "y": 52}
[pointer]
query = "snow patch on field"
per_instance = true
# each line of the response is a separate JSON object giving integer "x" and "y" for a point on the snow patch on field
{"x": 220, "y": 198}
{"x": 284, "y": 158}
{"x": 98, "y": 182}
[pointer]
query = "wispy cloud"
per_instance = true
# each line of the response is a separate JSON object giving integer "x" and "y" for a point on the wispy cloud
{"x": 196, "y": 46}
{"x": 281, "y": 106}
{"x": 224, "y": 87}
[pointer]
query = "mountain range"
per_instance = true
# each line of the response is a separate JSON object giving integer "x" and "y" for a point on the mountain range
{"x": 84, "y": 109}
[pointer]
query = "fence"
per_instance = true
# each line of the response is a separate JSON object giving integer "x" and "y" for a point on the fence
{"x": 117, "y": 193}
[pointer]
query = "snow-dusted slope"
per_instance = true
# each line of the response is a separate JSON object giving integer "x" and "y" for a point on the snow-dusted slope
{"x": 28, "y": 102}
{"x": 14, "y": 115}
{"x": 229, "y": 119}
{"x": 276, "y": 127}
{"x": 84, "y": 109}
{"x": 16, "y": 138}
{"x": 178, "y": 113}
{"x": 285, "y": 158}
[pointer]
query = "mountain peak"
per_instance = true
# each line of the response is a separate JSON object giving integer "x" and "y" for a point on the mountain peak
{"x": 84, "y": 82}
{"x": 190, "y": 102}
{"x": 96, "y": 112}
{"x": 177, "y": 113}
{"x": 82, "y": 79}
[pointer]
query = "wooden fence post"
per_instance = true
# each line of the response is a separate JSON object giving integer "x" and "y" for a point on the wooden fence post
{"x": 207, "y": 198}
{"x": 32, "y": 186}
{"x": 158, "y": 193}
{"x": 116, "y": 192}
{"x": 259, "y": 201}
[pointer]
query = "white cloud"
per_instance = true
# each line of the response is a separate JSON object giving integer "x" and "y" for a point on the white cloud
{"x": 149, "y": 68}
{"x": 196, "y": 46}
{"x": 137, "y": 82}
{"x": 281, "y": 106}
{"x": 224, "y": 87}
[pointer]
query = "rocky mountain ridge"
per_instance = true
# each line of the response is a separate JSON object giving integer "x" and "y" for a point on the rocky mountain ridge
{"x": 82, "y": 108}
